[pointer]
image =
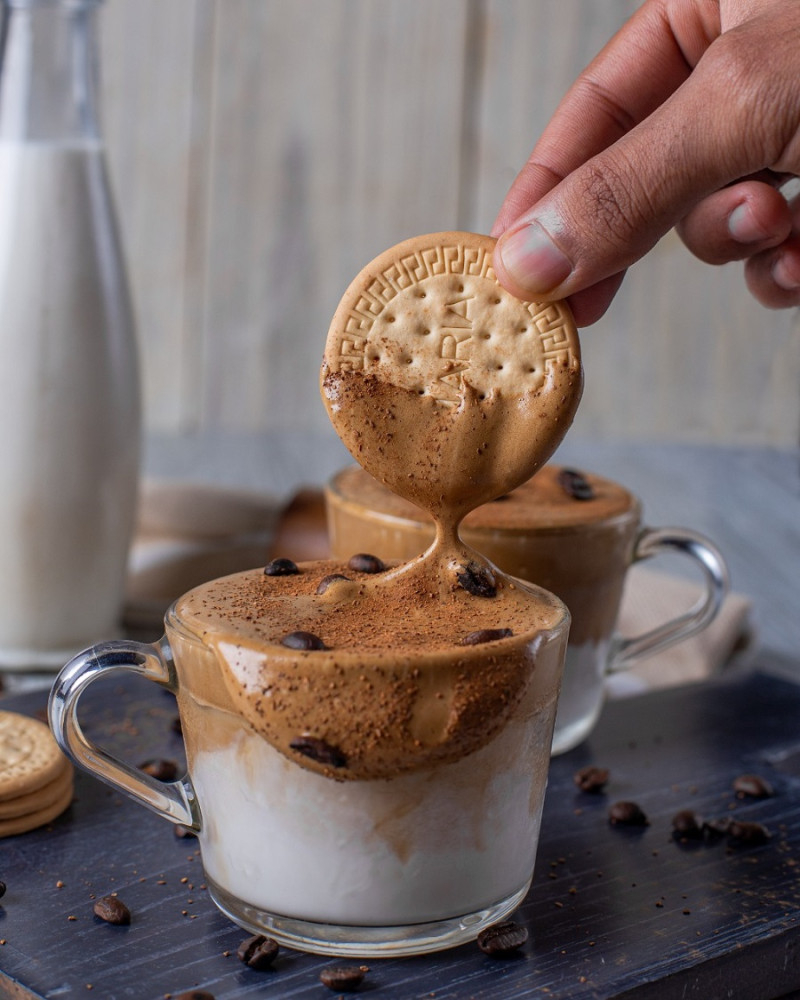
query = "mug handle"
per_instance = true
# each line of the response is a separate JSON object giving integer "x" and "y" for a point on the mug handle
{"x": 652, "y": 542}
{"x": 174, "y": 800}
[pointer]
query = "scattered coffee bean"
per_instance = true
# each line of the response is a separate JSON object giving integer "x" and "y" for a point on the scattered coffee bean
{"x": 258, "y": 952}
{"x": 112, "y": 910}
{"x": 627, "y": 814}
{"x": 343, "y": 978}
{"x": 477, "y": 580}
{"x": 503, "y": 938}
{"x": 752, "y": 786}
{"x": 591, "y": 778}
{"x": 714, "y": 829}
{"x": 303, "y": 640}
{"x": 319, "y": 750}
{"x": 182, "y": 832}
{"x": 281, "y": 567}
{"x": 687, "y": 825}
{"x": 194, "y": 995}
{"x": 748, "y": 834}
{"x": 575, "y": 484}
{"x": 161, "y": 770}
{"x": 2, "y": 889}
{"x": 486, "y": 635}
{"x": 326, "y": 581}
{"x": 363, "y": 562}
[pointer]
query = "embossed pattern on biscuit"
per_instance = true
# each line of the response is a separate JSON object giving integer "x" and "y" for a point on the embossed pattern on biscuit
{"x": 440, "y": 382}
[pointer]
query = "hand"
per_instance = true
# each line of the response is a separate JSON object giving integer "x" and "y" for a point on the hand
{"x": 689, "y": 117}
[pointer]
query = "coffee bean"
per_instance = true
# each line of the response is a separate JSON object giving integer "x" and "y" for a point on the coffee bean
{"x": 258, "y": 952}
{"x": 343, "y": 978}
{"x": 182, "y": 832}
{"x": 194, "y": 995}
{"x": 281, "y": 567}
{"x": 502, "y": 938}
{"x": 303, "y": 640}
{"x": 686, "y": 824}
{"x": 326, "y": 581}
{"x": 714, "y": 829}
{"x": 752, "y": 786}
{"x": 486, "y": 635}
{"x": 363, "y": 562}
{"x": 575, "y": 484}
{"x": 162, "y": 770}
{"x": 2, "y": 889}
{"x": 748, "y": 834}
{"x": 626, "y": 814}
{"x": 591, "y": 778}
{"x": 112, "y": 910}
{"x": 319, "y": 750}
{"x": 477, "y": 580}
{"x": 177, "y": 726}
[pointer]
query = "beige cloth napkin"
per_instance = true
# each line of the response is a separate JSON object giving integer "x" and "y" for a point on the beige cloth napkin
{"x": 188, "y": 533}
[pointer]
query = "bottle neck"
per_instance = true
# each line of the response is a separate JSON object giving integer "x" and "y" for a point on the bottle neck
{"x": 48, "y": 71}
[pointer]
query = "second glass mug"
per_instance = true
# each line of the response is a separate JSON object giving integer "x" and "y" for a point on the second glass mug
{"x": 398, "y": 864}
{"x": 576, "y": 548}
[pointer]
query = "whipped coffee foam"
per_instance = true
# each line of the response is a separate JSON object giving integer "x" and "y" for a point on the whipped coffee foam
{"x": 399, "y": 685}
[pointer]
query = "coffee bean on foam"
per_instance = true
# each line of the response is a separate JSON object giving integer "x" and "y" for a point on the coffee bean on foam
{"x": 331, "y": 579}
{"x": 575, "y": 484}
{"x": 486, "y": 635}
{"x": 477, "y": 580}
{"x": 502, "y": 939}
{"x": 303, "y": 640}
{"x": 363, "y": 562}
{"x": 319, "y": 750}
{"x": 281, "y": 567}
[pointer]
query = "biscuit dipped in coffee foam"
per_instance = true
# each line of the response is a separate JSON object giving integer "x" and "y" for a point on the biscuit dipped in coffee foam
{"x": 451, "y": 392}
{"x": 576, "y": 546}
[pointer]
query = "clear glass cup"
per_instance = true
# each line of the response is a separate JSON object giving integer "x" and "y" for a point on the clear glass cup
{"x": 401, "y": 864}
{"x": 579, "y": 550}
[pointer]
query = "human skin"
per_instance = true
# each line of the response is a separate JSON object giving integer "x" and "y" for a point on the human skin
{"x": 688, "y": 118}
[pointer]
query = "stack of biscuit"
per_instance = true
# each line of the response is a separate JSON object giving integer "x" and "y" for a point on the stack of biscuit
{"x": 36, "y": 779}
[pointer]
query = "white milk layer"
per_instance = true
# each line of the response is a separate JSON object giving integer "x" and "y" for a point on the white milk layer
{"x": 582, "y": 694}
{"x": 415, "y": 848}
{"x": 68, "y": 403}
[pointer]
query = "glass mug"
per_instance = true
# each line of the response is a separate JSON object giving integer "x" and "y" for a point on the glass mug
{"x": 406, "y": 863}
{"x": 579, "y": 547}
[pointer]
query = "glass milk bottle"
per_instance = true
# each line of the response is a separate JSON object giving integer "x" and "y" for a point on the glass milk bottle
{"x": 69, "y": 386}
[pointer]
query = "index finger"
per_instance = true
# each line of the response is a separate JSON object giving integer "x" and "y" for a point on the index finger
{"x": 645, "y": 62}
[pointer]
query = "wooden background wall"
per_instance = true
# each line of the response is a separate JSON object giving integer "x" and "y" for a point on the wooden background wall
{"x": 263, "y": 150}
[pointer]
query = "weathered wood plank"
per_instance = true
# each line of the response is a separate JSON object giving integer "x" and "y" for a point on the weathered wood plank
{"x": 262, "y": 152}
{"x": 147, "y": 53}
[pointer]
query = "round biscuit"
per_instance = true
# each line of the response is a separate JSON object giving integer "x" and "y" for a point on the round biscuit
{"x": 40, "y": 798}
{"x": 428, "y": 320}
{"x": 29, "y": 755}
{"x": 33, "y": 820}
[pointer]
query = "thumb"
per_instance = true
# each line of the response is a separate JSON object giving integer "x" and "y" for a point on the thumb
{"x": 611, "y": 210}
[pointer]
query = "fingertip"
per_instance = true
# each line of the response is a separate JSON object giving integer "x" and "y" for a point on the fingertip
{"x": 529, "y": 263}
{"x": 773, "y": 277}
